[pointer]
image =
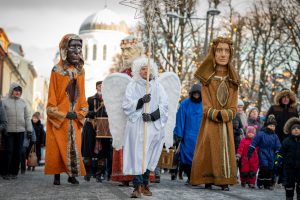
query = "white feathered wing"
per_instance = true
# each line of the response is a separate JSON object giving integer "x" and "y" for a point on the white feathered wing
{"x": 172, "y": 86}
{"x": 113, "y": 91}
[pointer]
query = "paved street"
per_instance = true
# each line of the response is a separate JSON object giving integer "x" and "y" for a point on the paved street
{"x": 35, "y": 185}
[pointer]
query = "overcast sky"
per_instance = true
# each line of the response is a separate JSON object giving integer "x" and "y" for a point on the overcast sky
{"x": 38, "y": 25}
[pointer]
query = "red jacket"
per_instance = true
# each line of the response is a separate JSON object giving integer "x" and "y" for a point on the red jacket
{"x": 247, "y": 165}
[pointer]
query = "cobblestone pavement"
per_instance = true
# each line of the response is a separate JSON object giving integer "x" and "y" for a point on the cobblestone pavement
{"x": 36, "y": 186}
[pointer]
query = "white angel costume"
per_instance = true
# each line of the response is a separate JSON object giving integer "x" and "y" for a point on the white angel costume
{"x": 126, "y": 122}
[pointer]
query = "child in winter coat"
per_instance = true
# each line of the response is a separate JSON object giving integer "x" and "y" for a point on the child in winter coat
{"x": 290, "y": 154}
{"x": 249, "y": 167}
{"x": 269, "y": 144}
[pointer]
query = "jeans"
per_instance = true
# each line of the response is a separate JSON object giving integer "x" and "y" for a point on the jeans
{"x": 141, "y": 179}
{"x": 14, "y": 145}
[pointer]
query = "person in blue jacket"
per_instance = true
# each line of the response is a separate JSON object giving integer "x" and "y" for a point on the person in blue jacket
{"x": 188, "y": 120}
{"x": 269, "y": 144}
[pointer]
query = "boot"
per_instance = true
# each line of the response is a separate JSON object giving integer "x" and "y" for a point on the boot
{"x": 146, "y": 190}
{"x": 136, "y": 192}
{"x": 225, "y": 187}
{"x": 73, "y": 180}
{"x": 56, "y": 179}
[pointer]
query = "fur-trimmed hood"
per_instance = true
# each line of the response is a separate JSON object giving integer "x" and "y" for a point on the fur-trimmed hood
{"x": 290, "y": 123}
{"x": 287, "y": 92}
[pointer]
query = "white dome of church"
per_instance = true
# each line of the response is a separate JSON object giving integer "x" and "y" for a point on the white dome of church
{"x": 104, "y": 20}
{"x": 101, "y": 34}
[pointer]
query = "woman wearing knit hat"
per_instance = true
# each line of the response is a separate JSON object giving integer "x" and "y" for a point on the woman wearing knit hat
{"x": 269, "y": 144}
{"x": 290, "y": 155}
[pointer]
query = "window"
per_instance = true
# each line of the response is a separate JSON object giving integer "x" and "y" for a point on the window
{"x": 86, "y": 52}
{"x": 104, "y": 52}
{"x": 94, "y": 52}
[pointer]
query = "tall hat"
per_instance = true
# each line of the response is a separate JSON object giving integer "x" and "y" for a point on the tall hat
{"x": 290, "y": 124}
{"x": 271, "y": 120}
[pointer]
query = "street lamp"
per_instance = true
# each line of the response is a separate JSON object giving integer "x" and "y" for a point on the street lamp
{"x": 211, "y": 11}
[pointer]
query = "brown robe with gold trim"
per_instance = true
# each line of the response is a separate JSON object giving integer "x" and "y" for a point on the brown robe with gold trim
{"x": 63, "y": 136}
{"x": 214, "y": 158}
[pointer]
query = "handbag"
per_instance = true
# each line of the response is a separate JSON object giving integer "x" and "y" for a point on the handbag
{"x": 32, "y": 158}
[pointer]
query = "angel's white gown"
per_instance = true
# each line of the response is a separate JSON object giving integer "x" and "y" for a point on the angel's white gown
{"x": 134, "y": 131}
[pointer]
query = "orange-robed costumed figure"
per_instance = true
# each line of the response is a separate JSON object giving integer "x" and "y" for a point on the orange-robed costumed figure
{"x": 66, "y": 110}
{"x": 214, "y": 159}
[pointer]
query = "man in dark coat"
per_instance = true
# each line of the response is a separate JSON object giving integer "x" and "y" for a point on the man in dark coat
{"x": 285, "y": 107}
{"x": 94, "y": 149}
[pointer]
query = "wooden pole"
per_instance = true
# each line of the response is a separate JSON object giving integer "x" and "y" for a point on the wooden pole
{"x": 146, "y": 107}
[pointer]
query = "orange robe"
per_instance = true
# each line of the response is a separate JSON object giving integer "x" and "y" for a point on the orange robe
{"x": 63, "y": 136}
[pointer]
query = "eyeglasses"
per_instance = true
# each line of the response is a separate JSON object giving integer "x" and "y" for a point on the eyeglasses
{"x": 221, "y": 50}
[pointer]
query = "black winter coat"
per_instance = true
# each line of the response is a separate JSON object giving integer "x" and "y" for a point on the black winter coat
{"x": 282, "y": 114}
{"x": 290, "y": 151}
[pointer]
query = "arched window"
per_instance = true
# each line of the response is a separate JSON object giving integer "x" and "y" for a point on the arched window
{"x": 94, "y": 52}
{"x": 86, "y": 52}
{"x": 104, "y": 52}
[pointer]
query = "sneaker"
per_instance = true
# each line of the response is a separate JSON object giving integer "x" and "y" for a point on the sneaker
{"x": 73, "y": 180}
{"x": 260, "y": 187}
{"x": 252, "y": 186}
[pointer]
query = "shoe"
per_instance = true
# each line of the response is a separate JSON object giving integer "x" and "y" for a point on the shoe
{"x": 157, "y": 179}
{"x": 137, "y": 192}
{"x": 23, "y": 171}
{"x": 87, "y": 178}
{"x": 180, "y": 176}
{"x": 98, "y": 179}
{"x": 252, "y": 186}
{"x": 28, "y": 168}
{"x": 260, "y": 187}
{"x": 208, "y": 186}
{"x": 269, "y": 188}
{"x": 243, "y": 185}
{"x": 56, "y": 179}
{"x": 225, "y": 187}
{"x": 173, "y": 177}
{"x": 146, "y": 190}
{"x": 33, "y": 168}
{"x": 13, "y": 176}
{"x": 73, "y": 180}
{"x": 6, "y": 177}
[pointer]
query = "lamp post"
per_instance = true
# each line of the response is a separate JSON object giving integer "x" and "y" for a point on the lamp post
{"x": 211, "y": 11}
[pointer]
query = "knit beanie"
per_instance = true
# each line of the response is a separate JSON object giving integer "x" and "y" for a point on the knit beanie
{"x": 271, "y": 120}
